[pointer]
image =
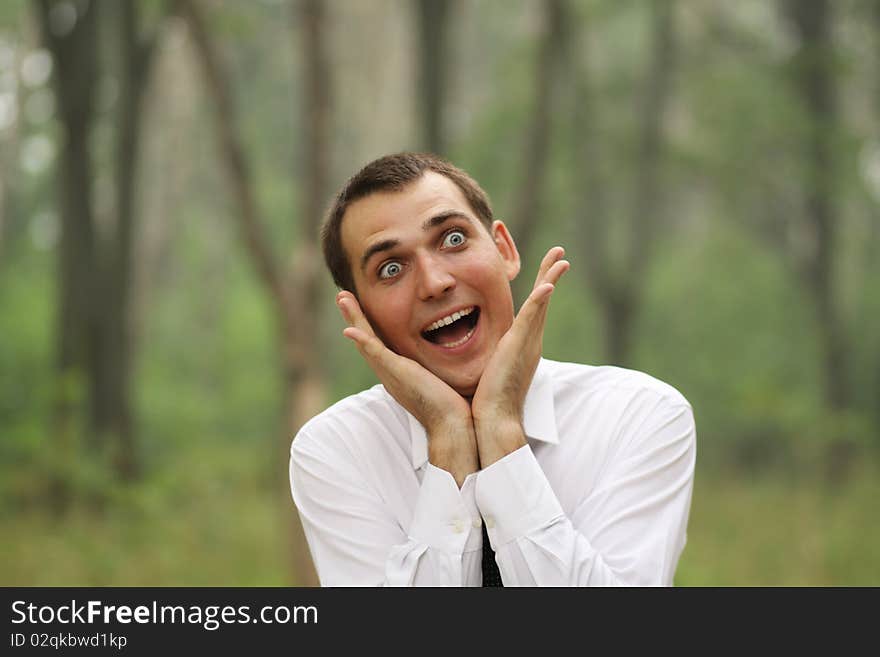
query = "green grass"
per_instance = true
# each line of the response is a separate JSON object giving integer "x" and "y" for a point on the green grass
{"x": 775, "y": 531}
{"x": 226, "y": 527}
{"x": 190, "y": 526}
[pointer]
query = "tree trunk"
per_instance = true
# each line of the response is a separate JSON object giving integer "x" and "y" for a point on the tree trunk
{"x": 135, "y": 56}
{"x": 9, "y": 156}
{"x": 872, "y": 250}
{"x": 77, "y": 339}
{"x": 618, "y": 288}
{"x": 617, "y": 319}
{"x": 524, "y": 215}
{"x": 814, "y": 79}
{"x": 590, "y": 232}
{"x": 295, "y": 294}
{"x": 305, "y": 377}
{"x": 233, "y": 158}
{"x": 815, "y": 84}
{"x": 433, "y": 21}
{"x": 647, "y": 207}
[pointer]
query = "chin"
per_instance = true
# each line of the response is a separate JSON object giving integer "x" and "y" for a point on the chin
{"x": 467, "y": 392}
{"x": 463, "y": 379}
{"x": 464, "y": 386}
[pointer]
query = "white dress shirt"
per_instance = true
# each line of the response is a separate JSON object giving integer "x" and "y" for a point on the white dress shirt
{"x": 599, "y": 496}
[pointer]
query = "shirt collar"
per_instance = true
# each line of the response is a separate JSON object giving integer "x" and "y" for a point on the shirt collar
{"x": 539, "y": 417}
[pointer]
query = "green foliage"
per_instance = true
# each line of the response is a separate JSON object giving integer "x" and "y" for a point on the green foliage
{"x": 25, "y": 359}
{"x": 785, "y": 489}
{"x": 765, "y": 531}
{"x": 209, "y": 519}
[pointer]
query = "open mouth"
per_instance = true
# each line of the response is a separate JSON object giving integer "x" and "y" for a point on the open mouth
{"x": 453, "y": 330}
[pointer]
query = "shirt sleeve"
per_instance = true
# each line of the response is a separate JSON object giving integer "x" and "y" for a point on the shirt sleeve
{"x": 355, "y": 539}
{"x": 629, "y": 529}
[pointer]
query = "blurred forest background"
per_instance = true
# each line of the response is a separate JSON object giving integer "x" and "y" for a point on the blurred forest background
{"x": 166, "y": 324}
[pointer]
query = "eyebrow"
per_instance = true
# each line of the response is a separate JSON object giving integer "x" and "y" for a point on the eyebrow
{"x": 428, "y": 224}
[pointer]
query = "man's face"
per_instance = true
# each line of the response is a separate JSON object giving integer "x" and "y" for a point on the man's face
{"x": 421, "y": 255}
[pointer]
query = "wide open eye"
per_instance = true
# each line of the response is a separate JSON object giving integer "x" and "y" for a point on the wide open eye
{"x": 454, "y": 238}
{"x": 390, "y": 269}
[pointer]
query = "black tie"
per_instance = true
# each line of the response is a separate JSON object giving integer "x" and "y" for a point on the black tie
{"x": 491, "y": 576}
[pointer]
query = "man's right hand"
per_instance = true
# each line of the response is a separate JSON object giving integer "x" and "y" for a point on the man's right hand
{"x": 444, "y": 413}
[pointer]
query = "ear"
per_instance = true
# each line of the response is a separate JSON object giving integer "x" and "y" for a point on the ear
{"x": 507, "y": 248}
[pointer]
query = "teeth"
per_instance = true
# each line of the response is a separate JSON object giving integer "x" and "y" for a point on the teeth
{"x": 449, "y": 345}
{"x": 446, "y": 321}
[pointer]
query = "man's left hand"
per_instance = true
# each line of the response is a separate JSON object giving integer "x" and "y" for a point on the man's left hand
{"x": 497, "y": 405}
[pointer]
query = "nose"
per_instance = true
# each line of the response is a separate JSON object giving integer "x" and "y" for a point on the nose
{"x": 435, "y": 279}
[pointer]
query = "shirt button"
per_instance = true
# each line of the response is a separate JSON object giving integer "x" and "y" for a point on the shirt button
{"x": 490, "y": 522}
{"x": 458, "y": 526}
{"x": 477, "y": 523}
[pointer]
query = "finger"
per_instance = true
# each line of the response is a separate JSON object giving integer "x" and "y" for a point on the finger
{"x": 535, "y": 306}
{"x": 361, "y": 332}
{"x": 540, "y": 295}
{"x": 550, "y": 258}
{"x": 370, "y": 347}
{"x": 534, "y": 309}
{"x": 556, "y": 271}
{"x": 352, "y": 313}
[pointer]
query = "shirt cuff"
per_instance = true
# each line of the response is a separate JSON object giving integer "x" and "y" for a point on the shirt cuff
{"x": 515, "y": 498}
{"x": 445, "y": 517}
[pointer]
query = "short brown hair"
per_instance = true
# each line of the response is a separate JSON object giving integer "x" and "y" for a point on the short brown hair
{"x": 390, "y": 173}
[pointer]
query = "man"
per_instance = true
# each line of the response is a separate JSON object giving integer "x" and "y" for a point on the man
{"x": 565, "y": 474}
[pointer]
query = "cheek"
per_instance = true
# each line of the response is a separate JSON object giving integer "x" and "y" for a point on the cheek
{"x": 388, "y": 314}
{"x": 483, "y": 273}
{"x": 490, "y": 278}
